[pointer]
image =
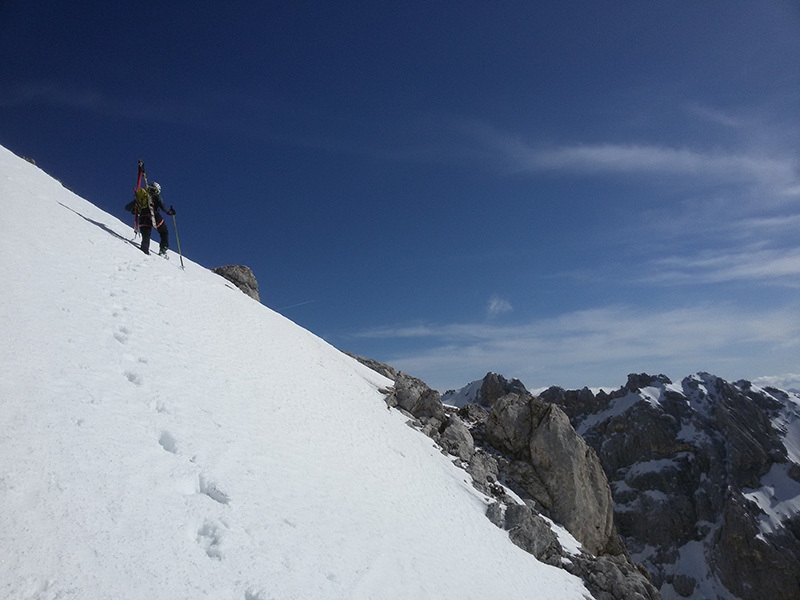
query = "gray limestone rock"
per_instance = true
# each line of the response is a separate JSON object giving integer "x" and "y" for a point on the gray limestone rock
{"x": 417, "y": 398}
{"x": 612, "y": 577}
{"x": 496, "y": 386}
{"x": 483, "y": 469}
{"x": 556, "y": 467}
{"x": 242, "y": 277}
{"x": 456, "y": 438}
{"x": 532, "y": 533}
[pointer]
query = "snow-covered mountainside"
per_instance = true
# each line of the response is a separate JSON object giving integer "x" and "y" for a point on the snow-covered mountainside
{"x": 162, "y": 435}
{"x": 705, "y": 476}
{"x": 466, "y": 395}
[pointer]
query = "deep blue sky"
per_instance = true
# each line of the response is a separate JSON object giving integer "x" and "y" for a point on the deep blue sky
{"x": 564, "y": 192}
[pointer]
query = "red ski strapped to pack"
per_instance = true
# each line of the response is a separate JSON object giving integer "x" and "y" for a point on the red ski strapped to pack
{"x": 136, "y": 189}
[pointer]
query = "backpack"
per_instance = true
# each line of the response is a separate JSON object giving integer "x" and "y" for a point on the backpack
{"x": 142, "y": 199}
{"x": 140, "y": 202}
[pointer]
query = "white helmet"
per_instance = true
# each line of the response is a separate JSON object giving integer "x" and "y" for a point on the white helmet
{"x": 154, "y": 188}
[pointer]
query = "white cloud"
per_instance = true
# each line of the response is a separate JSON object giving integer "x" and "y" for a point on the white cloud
{"x": 599, "y": 347}
{"x": 778, "y": 174}
{"x": 745, "y": 193}
{"x": 498, "y": 306}
{"x": 636, "y": 158}
{"x": 768, "y": 168}
{"x": 778, "y": 266}
{"x": 787, "y": 381}
{"x": 724, "y": 119}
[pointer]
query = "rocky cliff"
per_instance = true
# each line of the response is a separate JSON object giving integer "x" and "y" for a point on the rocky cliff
{"x": 705, "y": 478}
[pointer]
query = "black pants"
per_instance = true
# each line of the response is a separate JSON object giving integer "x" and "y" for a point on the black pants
{"x": 162, "y": 230}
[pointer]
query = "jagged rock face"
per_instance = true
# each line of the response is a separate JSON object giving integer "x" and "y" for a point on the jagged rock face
{"x": 686, "y": 463}
{"x": 750, "y": 569}
{"x": 531, "y": 532}
{"x": 637, "y": 381}
{"x": 242, "y": 277}
{"x": 457, "y": 439}
{"x": 415, "y": 397}
{"x": 495, "y": 387}
{"x": 613, "y": 578}
{"x": 558, "y": 469}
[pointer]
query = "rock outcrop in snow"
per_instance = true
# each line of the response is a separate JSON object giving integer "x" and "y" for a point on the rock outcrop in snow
{"x": 554, "y": 467}
{"x": 526, "y": 454}
{"x": 242, "y": 277}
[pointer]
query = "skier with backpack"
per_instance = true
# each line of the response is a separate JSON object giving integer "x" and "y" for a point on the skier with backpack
{"x": 146, "y": 206}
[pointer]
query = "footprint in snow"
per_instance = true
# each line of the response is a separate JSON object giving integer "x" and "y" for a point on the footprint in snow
{"x": 122, "y": 335}
{"x": 209, "y": 536}
{"x": 168, "y": 442}
{"x": 210, "y": 489}
{"x": 134, "y": 378}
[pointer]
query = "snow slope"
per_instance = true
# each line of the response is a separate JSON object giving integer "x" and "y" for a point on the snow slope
{"x": 162, "y": 435}
{"x": 466, "y": 395}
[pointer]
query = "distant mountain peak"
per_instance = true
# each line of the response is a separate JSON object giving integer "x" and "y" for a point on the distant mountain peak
{"x": 484, "y": 392}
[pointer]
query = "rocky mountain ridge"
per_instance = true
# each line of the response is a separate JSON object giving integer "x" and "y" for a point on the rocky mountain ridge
{"x": 526, "y": 454}
{"x": 688, "y": 490}
{"x": 705, "y": 476}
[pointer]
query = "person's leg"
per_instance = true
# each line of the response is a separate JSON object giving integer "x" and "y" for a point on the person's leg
{"x": 164, "y": 233}
{"x": 145, "y": 231}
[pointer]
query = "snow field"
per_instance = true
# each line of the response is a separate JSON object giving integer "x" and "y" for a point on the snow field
{"x": 162, "y": 435}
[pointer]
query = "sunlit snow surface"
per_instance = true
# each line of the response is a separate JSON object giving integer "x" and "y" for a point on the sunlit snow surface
{"x": 163, "y": 435}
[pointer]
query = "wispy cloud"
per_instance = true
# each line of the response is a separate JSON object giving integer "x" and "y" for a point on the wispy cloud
{"x": 775, "y": 266}
{"x": 498, "y": 306}
{"x": 729, "y": 211}
{"x": 141, "y": 107}
{"x": 719, "y": 117}
{"x": 786, "y": 381}
{"x": 647, "y": 159}
{"x": 773, "y": 168}
{"x": 599, "y": 347}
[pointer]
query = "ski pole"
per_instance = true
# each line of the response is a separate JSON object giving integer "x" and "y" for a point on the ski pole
{"x": 177, "y": 239}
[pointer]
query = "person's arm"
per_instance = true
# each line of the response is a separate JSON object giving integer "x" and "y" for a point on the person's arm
{"x": 169, "y": 211}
